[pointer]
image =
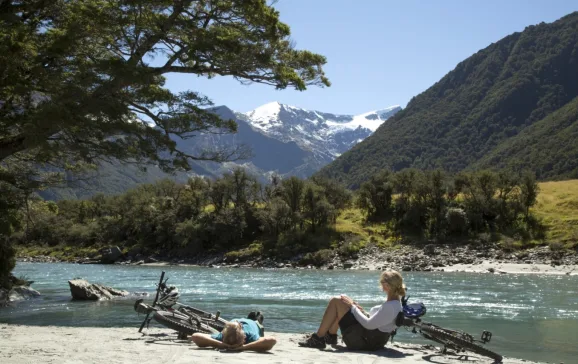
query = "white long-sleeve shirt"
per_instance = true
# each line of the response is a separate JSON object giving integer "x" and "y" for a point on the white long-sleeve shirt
{"x": 381, "y": 317}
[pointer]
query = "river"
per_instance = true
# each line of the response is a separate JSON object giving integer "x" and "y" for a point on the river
{"x": 531, "y": 317}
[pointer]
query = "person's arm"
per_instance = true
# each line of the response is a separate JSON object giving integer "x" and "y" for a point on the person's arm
{"x": 204, "y": 340}
{"x": 262, "y": 344}
{"x": 382, "y": 317}
{"x": 360, "y": 308}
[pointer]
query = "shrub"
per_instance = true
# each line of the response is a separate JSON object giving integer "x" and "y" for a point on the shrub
{"x": 255, "y": 249}
{"x": 457, "y": 221}
{"x": 350, "y": 247}
{"x": 317, "y": 258}
{"x": 294, "y": 242}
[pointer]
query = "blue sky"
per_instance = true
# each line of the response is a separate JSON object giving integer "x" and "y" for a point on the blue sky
{"x": 381, "y": 52}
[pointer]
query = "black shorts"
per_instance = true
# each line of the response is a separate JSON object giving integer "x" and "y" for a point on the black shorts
{"x": 357, "y": 337}
{"x": 347, "y": 320}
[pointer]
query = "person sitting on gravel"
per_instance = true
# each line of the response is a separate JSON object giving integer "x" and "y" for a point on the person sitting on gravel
{"x": 238, "y": 334}
{"x": 360, "y": 330}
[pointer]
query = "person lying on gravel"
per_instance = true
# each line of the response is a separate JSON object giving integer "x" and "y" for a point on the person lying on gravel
{"x": 360, "y": 330}
{"x": 238, "y": 334}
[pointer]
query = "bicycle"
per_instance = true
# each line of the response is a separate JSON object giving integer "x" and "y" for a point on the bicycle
{"x": 167, "y": 311}
{"x": 450, "y": 339}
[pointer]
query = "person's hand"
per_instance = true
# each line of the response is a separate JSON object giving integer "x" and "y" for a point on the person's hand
{"x": 347, "y": 300}
{"x": 358, "y": 306}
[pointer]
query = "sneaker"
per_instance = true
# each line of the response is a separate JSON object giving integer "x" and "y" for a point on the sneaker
{"x": 330, "y": 339}
{"x": 313, "y": 341}
{"x": 256, "y": 316}
{"x": 260, "y": 317}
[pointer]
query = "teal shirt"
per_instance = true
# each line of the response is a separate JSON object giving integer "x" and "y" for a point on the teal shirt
{"x": 250, "y": 328}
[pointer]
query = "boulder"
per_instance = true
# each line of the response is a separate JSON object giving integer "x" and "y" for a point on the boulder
{"x": 22, "y": 293}
{"x": 134, "y": 252}
{"x": 151, "y": 260}
{"x": 429, "y": 249}
{"x": 347, "y": 265}
{"x": 110, "y": 255}
{"x": 82, "y": 290}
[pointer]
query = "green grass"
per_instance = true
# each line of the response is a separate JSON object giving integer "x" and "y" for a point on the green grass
{"x": 253, "y": 250}
{"x": 557, "y": 207}
{"x": 62, "y": 252}
{"x": 352, "y": 221}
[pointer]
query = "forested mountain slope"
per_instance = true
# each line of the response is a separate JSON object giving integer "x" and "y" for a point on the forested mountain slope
{"x": 490, "y": 110}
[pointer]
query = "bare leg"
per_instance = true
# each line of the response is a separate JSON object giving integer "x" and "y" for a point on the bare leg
{"x": 335, "y": 310}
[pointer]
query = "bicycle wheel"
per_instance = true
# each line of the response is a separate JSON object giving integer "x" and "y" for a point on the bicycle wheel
{"x": 442, "y": 336}
{"x": 182, "y": 324}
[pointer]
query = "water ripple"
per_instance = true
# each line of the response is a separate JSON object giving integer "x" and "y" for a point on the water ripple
{"x": 531, "y": 317}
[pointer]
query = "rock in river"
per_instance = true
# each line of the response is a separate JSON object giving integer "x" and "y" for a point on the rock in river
{"x": 82, "y": 290}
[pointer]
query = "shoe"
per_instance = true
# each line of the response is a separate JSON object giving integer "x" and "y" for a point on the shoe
{"x": 256, "y": 316}
{"x": 330, "y": 339}
{"x": 313, "y": 341}
{"x": 260, "y": 317}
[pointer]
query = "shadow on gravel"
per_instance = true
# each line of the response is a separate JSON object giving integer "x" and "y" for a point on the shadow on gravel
{"x": 385, "y": 352}
{"x": 452, "y": 357}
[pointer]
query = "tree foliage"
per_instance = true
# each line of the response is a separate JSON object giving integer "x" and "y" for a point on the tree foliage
{"x": 434, "y": 205}
{"x": 83, "y": 82}
{"x": 77, "y": 78}
{"x": 199, "y": 216}
{"x": 240, "y": 217}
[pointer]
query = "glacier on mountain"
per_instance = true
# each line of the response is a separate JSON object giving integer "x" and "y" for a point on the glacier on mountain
{"x": 326, "y": 135}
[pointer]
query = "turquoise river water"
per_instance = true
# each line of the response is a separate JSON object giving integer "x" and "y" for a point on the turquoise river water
{"x": 531, "y": 317}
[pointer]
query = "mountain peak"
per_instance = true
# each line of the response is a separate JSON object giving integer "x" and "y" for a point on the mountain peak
{"x": 373, "y": 119}
{"x": 265, "y": 116}
{"x": 327, "y": 135}
{"x": 270, "y": 109}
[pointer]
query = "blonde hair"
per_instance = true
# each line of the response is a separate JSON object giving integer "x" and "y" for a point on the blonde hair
{"x": 395, "y": 282}
{"x": 233, "y": 334}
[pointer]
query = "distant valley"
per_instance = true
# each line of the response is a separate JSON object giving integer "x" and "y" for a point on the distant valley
{"x": 284, "y": 140}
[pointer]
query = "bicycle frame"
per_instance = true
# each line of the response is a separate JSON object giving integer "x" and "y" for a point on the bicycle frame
{"x": 183, "y": 311}
{"x": 455, "y": 339}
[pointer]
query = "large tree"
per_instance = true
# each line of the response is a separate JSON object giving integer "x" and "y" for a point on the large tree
{"x": 82, "y": 81}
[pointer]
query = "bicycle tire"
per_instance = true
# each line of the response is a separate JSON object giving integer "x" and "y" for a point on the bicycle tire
{"x": 440, "y": 334}
{"x": 181, "y": 324}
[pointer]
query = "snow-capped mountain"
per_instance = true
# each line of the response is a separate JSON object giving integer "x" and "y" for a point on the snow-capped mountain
{"x": 326, "y": 135}
{"x": 284, "y": 140}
